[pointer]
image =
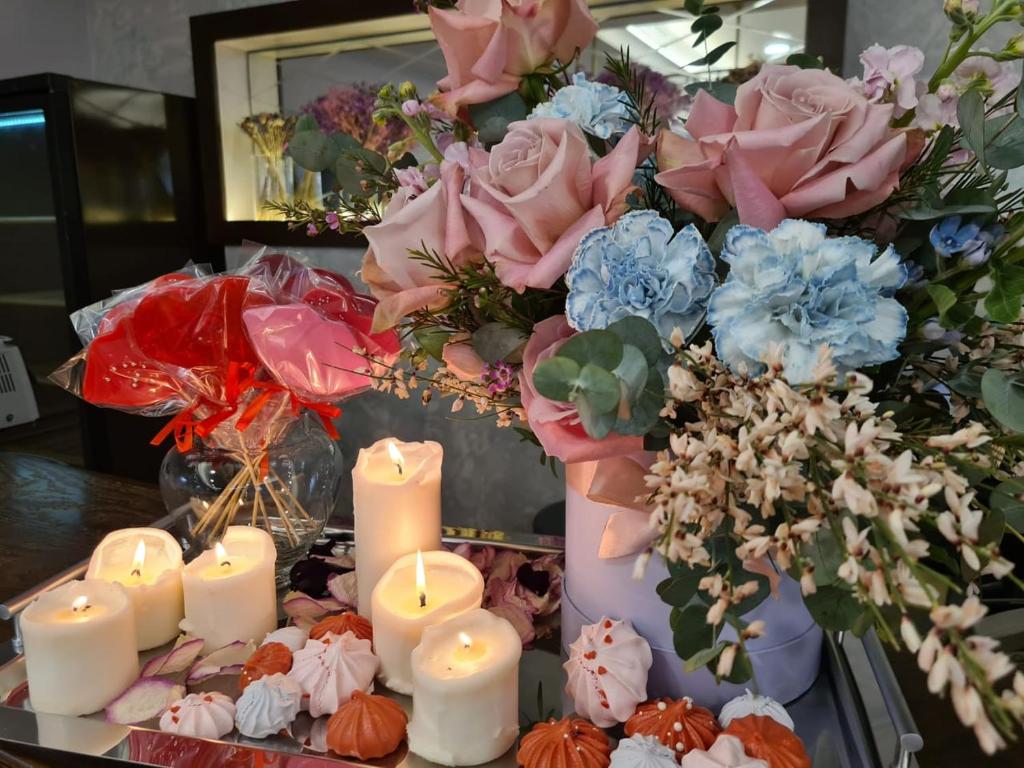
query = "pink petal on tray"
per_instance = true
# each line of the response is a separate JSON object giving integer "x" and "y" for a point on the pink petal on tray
{"x": 145, "y": 699}
{"x": 300, "y": 605}
{"x": 178, "y": 659}
{"x": 223, "y": 661}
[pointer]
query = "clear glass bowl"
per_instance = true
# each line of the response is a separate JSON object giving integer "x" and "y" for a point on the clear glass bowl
{"x": 288, "y": 488}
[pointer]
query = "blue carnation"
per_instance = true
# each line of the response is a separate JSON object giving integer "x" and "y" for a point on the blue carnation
{"x": 636, "y": 268}
{"x": 796, "y": 288}
{"x": 598, "y": 109}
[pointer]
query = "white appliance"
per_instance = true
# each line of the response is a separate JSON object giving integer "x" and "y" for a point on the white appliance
{"x": 17, "y": 401}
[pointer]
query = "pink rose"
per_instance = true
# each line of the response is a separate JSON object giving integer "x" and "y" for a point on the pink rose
{"x": 488, "y": 45}
{"x": 557, "y": 425}
{"x": 435, "y": 220}
{"x": 799, "y": 142}
{"x": 539, "y": 193}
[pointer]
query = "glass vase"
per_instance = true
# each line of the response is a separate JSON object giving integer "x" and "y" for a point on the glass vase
{"x": 275, "y": 183}
{"x": 285, "y": 481}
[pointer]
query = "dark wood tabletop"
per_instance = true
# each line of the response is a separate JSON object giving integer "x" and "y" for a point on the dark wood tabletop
{"x": 52, "y": 515}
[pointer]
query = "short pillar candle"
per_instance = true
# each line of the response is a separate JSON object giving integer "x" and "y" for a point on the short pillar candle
{"x": 147, "y": 563}
{"x": 419, "y": 590}
{"x": 465, "y": 702}
{"x": 80, "y": 649}
{"x": 229, "y": 590}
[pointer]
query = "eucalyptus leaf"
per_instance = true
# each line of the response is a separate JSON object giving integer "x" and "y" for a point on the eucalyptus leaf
{"x": 495, "y": 341}
{"x": 306, "y": 123}
{"x": 1005, "y": 150}
{"x": 713, "y": 55}
{"x": 596, "y": 424}
{"x": 966, "y": 381}
{"x": 632, "y": 372}
{"x": 432, "y": 340}
{"x": 826, "y": 554}
{"x": 805, "y": 61}
{"x": 742, "y": 669}
{"x": 704, "y": 27}
{"x": 644, "y": 413}
{"x": 602, "y": 348}
{"x": 971, "y": 114}
{"x": 1003, "y": 302}
{"x": 693, "y": 7}
{"x": 556, "y": 377}
{"x": 641, "y": 334}
{"x": 833, "y": 607}
{"x": 599, "y": 387}
{"x": 1004, "y": 398}
{"x": 1008, "y": 498}
{"x": 492, "y": 118}
{"x": 721, "y": 90}
{"x": 312, "y": 150}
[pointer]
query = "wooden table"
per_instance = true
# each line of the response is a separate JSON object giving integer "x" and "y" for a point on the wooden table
{"x": 52, "y": 515}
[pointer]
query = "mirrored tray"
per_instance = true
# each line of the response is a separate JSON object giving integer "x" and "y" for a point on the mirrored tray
{"x": 831, "y": 717}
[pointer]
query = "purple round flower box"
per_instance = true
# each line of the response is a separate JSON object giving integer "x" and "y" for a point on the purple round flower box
{"x": 786, "y": 659}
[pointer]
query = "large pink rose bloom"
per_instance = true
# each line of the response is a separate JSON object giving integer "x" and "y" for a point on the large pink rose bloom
{"x": 434, "y": 219}
{"x": 799, "y": 143}
{"x": 539, "y": 192}
{"x": 488, "y": 45}
{"x": 557, "y": 425}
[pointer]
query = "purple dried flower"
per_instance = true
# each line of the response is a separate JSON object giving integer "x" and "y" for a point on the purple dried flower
{"x": 349, "y": 109}
{"x": 669, "y": 98}
{"x": 332, "y": 220}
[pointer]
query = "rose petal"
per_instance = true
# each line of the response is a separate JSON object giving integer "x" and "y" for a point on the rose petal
{"x": 178, "y": 659}
{"x": 227, "y": 660}
{"x": 145, "y": 699}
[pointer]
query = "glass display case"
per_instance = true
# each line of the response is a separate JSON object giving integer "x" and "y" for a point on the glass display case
{"x": 257, "y": 69}
{"x": 99, "y": 192}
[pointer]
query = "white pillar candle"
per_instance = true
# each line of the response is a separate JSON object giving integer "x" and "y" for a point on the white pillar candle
{"x": 465, "y": 701}
{"x": 396, "y": 499}
{"x": 416, "y": 592}
{"x": 79, "y": 647}
{"x": 147, "y": 563}
{"x": 229, "y": 590}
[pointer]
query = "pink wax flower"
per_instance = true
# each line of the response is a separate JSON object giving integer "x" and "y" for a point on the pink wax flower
{"x": 889, "y": 75}
{"x": 411, "y": 179}
{"x": 800, "y": 143}
{"x": 435, "y": 220}
{"x": 540, "y": 192}
{"x": 333, "y": 222}
{"x": 557, "y": 425}
{"x": 488, "y": 45}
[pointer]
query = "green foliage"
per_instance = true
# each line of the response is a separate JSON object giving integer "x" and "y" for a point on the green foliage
{"x": 1008, "y": 500}
{"x": 952, "y": 313}
{"x": 690, "y": 630}
{"x": 495, "y": 341}
{"x": 492, "y": 118}
{"x": 679, "y": 588}
{"x": 712, "y": 56}
{"x": 431, "y": 340}
{"x": 1003, "y": 302}
{"x": 1004, "y": 398}
{"x": 833, "y": 607}
{"x": 805, "y": 61}
{"x": 612, "y": 376}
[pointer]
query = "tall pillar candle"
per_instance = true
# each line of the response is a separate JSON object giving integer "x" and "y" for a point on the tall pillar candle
{"x": 147, "y": 563}
{"x": 465, "y": 701}
{"x": 417, "y": 591}
{"x": 79, "y": 647}
{"x": 229, "y": 590}
{"x": 396, "y": 494}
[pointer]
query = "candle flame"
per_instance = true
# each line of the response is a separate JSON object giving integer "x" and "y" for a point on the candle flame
{"x": 421, "y": 579}
{"x": 80, "y": 603}
{"x": 396, "y": 457}
{"x": 221, "y": 554}
{"x": 139, "y": 559}
{"x": 465, "y": 639}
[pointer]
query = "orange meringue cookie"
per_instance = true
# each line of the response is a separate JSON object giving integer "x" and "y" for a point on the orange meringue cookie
{"x": 341, "y": 623}
{"x": 680, "y": 725}
{"x": 768, "y": 740}
{"x": 268, "y": 659}
{"x": 565, "y": 743}
{"x": 366, "y": 727}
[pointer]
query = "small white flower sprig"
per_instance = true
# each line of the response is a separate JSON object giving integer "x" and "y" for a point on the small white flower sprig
{"x": 814, "y": 478}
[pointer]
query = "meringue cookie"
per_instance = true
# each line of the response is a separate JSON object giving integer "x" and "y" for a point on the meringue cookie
{"x": 267, "y": 705}
{"x": 726, "y": 752}
{"x": 331, "y": 669}
{"x": 293, "y": 637}
{"x": 643, "y": 752}
{"x": 607, "y": 670}
{"x": 202, "y": 715}
{"x": 753, "y": 704}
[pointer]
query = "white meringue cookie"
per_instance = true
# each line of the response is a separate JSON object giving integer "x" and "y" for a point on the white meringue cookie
{"x": 607, "y": 670}
{"x": 267, "y": 705}
{"x": 753, "y": 704}
{"x": 293, "y": 637}
{"x": 726, "y": 752}
{"x": 639, "y": 751}
{"x": 330, "y": 670}
{"x": 202, "y": 715}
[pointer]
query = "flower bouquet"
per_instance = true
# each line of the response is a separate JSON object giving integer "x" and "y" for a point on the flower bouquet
{"x": 225, "y": 355}
{"x": 806, "y": 305}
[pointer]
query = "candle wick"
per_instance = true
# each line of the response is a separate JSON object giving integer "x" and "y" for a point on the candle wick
{"x": 423, "y": 599}
{"x": 137, "y": 572}
{"x": 83, "y": 609}
{"x": 225, "y": 563}
{"x": 399, "y": 468}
